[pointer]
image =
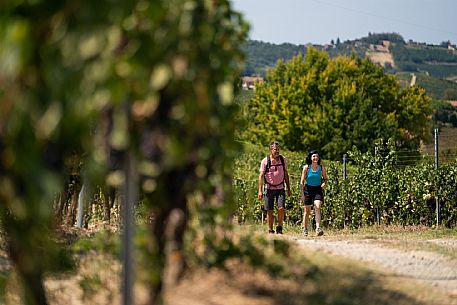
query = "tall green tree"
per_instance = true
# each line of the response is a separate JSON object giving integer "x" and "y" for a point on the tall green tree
{"x": 335, "y": 104}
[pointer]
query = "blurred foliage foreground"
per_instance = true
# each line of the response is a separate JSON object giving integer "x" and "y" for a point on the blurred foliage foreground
{"x": 107, "y": 86}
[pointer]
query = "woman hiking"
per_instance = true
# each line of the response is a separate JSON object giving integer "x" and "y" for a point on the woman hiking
{"x": 313, "y": 181}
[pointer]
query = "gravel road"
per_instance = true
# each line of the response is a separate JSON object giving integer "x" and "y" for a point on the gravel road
{"x": 425, "y": 266}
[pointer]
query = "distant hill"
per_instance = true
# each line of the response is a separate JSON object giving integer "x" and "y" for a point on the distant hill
{"x": 434, "y": 66}
{"x": 264, "y": 55}
{"x": 436, "y": 87}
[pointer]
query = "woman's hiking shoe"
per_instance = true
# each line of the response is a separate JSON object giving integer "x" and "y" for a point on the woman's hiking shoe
{"x": 319, "y": 232}
{"x": 305, "y": 232}
{"x": 279, "y": 230}
{"x": 271, "y": 231}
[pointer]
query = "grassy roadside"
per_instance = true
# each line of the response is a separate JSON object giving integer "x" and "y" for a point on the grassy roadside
{"x": 333, "y": 282}
{"x": 361, "y": 283}
{"x": 439, "y": 240}
{"x": 340, "y": 280}
{"x": 344, "y": 281}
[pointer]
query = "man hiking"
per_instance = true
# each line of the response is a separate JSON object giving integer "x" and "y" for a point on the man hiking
{"x": 273, "y": 178}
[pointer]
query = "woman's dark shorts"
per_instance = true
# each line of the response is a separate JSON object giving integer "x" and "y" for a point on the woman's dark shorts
{"x": 313, "y": 193}
{"x": 271, "y": 195}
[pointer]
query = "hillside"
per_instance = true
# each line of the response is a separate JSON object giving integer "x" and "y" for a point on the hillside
{"x": 434, "y": 65}
{"x": 438, "y": 88}
{"x": 263, "y": 55}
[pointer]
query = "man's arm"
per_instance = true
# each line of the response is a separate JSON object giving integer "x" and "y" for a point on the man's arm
{"x": 286, "y": 179}
{"x": 260, "y": 193}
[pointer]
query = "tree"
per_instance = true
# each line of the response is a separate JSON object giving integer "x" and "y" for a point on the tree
{"x": 334, "y": 104}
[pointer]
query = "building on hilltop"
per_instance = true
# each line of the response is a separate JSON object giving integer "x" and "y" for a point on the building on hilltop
{"x": 248, "y": 82}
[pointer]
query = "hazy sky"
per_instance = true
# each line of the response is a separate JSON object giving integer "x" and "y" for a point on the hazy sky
{"x": 319, "y": 21}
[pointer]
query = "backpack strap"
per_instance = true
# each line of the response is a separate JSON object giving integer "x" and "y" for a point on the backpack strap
{"x": 281, "y": 158}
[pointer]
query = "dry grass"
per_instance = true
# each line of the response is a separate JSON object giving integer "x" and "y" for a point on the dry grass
{"x": 441, "y": 240}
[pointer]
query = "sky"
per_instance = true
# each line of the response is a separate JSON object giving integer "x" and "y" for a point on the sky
{"x": 320, "y": 21}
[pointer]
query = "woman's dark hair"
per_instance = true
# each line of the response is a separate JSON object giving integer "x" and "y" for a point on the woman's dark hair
{"x": 308, "y": 158}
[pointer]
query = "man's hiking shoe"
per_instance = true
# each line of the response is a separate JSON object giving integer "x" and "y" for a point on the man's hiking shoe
{"x": 271, "y": 231}
{"x": 319, "y": 232}
{"x": 305, "y": 232}
{"x": 279, "y": 229}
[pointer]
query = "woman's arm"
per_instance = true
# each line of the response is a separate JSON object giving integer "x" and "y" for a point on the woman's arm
{"x": 324, "y": 175}
{"x": 303, "y": 180}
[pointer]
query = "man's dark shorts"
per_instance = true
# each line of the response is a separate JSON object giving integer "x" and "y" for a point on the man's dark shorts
{"x": 271, "y": 195}
{"x": 313, "y": 193}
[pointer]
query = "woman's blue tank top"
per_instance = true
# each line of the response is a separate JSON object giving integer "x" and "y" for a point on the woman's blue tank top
{"x": 314, "y": 177}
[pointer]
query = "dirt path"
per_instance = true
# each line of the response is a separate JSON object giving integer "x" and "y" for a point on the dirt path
{"x": 424, "y": 266}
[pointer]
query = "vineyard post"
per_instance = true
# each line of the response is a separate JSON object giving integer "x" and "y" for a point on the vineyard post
{"x": 345, "y": 176}
{"x": 378, "y": 215}
{"x": 130, "y": 196}
{"x": 81, "y": 201}
{"x": 345, "y": 158}
{"x": 436, "y": 168}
